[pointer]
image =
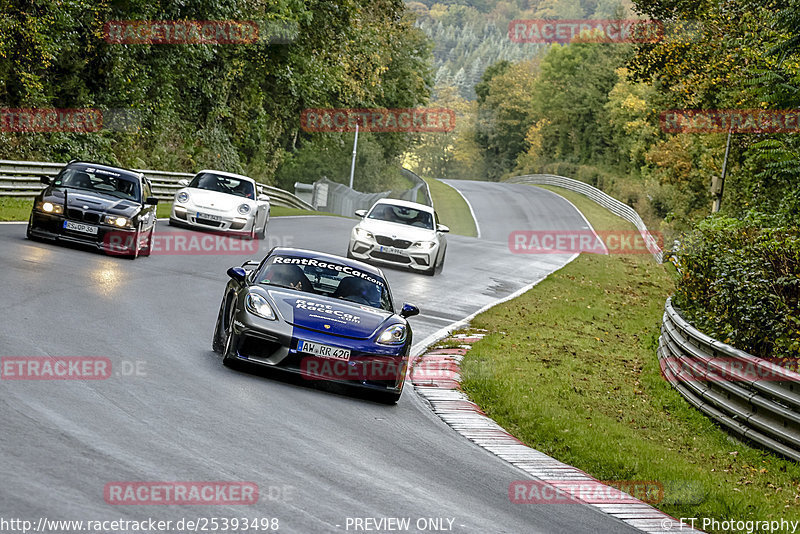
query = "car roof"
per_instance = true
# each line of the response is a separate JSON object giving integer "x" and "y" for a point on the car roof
{"x": 90, "y": 164}
{"x": 405, "y": 203}
{"x": 228, "y": 174}
{"x": 322, "y": 256}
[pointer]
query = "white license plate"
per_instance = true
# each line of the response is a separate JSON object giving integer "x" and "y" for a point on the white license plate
{"x": 80, "y": 227}
{"x": 208, "y": 216}
{"x": 393, "y": 250}
{"x": 323, "y": 351}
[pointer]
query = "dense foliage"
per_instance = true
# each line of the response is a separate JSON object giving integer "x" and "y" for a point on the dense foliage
{"x": 229, "y": 106}
{"x": 740, "y": 283}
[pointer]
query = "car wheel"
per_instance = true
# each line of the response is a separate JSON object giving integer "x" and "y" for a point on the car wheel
{"x": 218, "y": 343}
{"x": 28, "y": 233}
{"x": 263, "y": 232}
{"x": 135, "y": 254}
{"x": 432, "y": 269}
{"x": 149, "y": 248}
{"x": 386, "y": 397}
{"x": 228, "y": 354}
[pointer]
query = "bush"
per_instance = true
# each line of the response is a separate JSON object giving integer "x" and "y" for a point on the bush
{"x": 740, "y": 283}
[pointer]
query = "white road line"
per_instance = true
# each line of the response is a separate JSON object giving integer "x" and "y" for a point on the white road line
{"x": 588, "y": 224}
{"x": 471, "y": 211}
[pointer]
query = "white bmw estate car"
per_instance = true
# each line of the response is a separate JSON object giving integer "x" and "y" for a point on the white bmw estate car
{"x": 221, "y": 201}
{"x": 400, "y": 233}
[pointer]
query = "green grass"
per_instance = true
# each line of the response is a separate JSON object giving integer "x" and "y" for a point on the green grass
{"x": 281, "y": 211}
{"x": 15, "y": 209}
{"x": 453, "y": 211}
{"x": 570, "y": 369}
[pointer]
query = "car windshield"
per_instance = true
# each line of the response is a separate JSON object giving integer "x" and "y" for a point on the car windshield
{"x": 224, "y": 184}
{"x": 101, "y": 181}
{"x": 402, "y": 215}
{"x": 331, "y": 279}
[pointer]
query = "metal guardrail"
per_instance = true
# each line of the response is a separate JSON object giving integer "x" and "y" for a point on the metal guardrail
{"x": 334, "y": 197}
{"x": 21, "y": 179}
{"x": 605, "y": 200}
{"x": 750, "y": 396}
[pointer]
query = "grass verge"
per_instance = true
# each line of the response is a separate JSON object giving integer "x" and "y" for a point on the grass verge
{"x": 570, "y": 369}
{"x": 453, "y": 211}
{"x": 15, "y": 209}
{"x": 19, "y": 209}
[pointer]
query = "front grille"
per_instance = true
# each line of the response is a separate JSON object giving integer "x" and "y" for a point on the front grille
{"x": 397, "y": 258}
{"x": 389, "y": 242}
{"x": 206, "y": 222}
{"x": 76, "y": 214}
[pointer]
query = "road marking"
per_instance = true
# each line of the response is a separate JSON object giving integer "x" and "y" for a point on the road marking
{"x": 472, "y": 212}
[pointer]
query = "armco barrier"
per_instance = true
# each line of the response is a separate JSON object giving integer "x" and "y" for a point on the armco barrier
{"x": 750, "y": 396}
{"x": 334, "y": 197}
{"x": 605, "y": 200}
{"x": 21, "y": 179}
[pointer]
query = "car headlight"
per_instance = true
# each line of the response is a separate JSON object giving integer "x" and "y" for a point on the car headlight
{"x": 183, "y": 196}
{"x": 363, "y": 234}
{"x": 425, "y": 245}
{"x": 121, "y": 222}
{"x": 394, "y": 335}
{"x": 258, "y": 305}
{"x": 244, "y": 209}
{"x": 50, "y": 207}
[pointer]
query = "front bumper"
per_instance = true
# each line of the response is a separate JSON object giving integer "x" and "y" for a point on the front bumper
{"x": 274, "y": 344}
{"x": 221, "y": 222}
{"x": 412, "y": 258}
{"x": 108, "y": 238}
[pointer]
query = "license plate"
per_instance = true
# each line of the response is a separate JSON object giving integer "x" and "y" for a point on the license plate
{"x": 208, "y": 216}
{"x": 323, "y": 351}
{"x": 80, "y": 227}
{"x": 393, "y": 250}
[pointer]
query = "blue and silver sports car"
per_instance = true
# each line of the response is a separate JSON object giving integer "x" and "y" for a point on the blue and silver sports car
{"x": 322, "y": 316}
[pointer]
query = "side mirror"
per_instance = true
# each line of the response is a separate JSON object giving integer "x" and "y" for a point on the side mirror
{"x": 409, "y": 310}
{"x": 361, "y": 213}
{"x": 263, "y": 198}
{"x": 44, "y": 179}
{"x": 442, "y": 228}
{"x": 151, "y": 201}
{"x": 183, "y": 181}
{"x": 238, "y": 274}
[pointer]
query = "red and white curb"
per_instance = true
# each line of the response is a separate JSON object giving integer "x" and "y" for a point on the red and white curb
{"x": 436, "y": 377}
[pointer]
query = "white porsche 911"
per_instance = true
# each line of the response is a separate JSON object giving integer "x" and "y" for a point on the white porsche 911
{"x": 400, "y": 233}
{"x": 221, "y": 201}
